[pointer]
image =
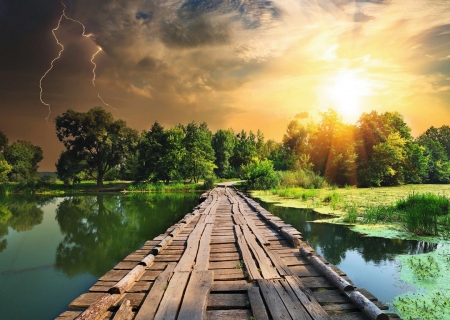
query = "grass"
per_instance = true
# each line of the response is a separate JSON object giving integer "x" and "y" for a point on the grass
{"x": 418, "y": 209}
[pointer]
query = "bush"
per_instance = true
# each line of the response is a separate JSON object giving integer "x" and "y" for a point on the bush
{"x": 260, "y": 175}
{"x": 301, "y": 178}
{"x": 208, "y": 183}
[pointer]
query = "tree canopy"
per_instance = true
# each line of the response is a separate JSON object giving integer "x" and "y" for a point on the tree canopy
{"x": 96, "y": 138}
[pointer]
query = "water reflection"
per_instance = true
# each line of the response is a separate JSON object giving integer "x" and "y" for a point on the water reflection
{"x": 335, "y": 241}
{"x": 20, "y": 215}
{"x": 54, "y": 249}
{"x": 94, "y": 228}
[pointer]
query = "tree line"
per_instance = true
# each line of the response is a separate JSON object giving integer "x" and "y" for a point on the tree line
{"x": 378, "y": 150}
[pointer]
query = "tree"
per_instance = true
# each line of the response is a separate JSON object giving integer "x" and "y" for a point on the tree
{"x": 296, "y": 143}
{"x": 94, "y": 137}
{"x": 69, "y": 167}
{"x": 245, "y": 150}
{"x": 333, "y": 152}
{"x": 223, "y": 142}
{"x": 437, "y": 161}
{"x": 3, "y": 141}
{"x": 23, "y": 157}
{"x": 5, "y": 169}
{"x": 149, "y": 149}
{"x": 169, "y": 165}
{"x": 199, "y": 159}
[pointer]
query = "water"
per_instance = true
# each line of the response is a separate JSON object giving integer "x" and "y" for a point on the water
{"x": 370, "y": 262}
{"x": 54, "y": 249}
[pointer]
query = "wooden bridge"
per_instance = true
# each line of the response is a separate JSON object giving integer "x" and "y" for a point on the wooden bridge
{"x": 228, "y": 259}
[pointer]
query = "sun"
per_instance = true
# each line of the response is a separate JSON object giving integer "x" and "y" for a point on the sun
{"x": 345, "y": 90}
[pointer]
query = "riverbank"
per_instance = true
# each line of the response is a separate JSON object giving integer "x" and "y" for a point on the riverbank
{"x": 58, "y": 188}
{"x": 429, "y": 272}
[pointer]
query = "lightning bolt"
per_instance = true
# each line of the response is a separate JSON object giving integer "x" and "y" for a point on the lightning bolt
{"x": 99, "y": 49}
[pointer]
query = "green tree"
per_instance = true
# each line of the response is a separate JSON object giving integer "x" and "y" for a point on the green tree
{"x": 245, "y": 150}
{"x": 96, "y": 138}
{"x": 5, "y": 169}
{"x": 199, "y": 158}
{"x": 333, "y": 149}
{"x": 149, "y": 153}
{"x": 223, "y": 143}
{"x": 169, "y": 165}
{"x": 69, "y": 168}
{"x": 438, "y": 164}
{"x": 23, "y": 157}
{"x": 297, "y": 147}
{"x": 387, "y": 153}
{"x": 3, "y": 141}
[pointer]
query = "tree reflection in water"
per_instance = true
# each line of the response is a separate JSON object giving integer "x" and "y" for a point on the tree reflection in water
{"x": 21, "y": 214}
{"x": 335, "y": 240}
{"x": 100, "y": 230}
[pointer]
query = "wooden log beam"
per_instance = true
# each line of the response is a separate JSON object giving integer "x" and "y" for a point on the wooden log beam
{"x": 99, "y": 307}
{"x": 337, "y": 280}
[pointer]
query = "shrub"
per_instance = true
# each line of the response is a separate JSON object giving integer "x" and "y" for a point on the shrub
{"x": 301, "y": 178}
{"x": 208, "y": 183}
{"x": 260, "y": 175}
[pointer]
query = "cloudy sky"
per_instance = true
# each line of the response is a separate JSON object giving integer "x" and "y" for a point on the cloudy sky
{"x": 245, "y": 64}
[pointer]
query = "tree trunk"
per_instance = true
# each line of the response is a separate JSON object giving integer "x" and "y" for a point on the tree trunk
{"x": 100, "y": 179}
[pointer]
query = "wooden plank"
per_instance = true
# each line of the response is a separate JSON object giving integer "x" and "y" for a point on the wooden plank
{"x": 102, "y": 286}
{"x": 257, "y": 304}
{"x": 236, "y": 314}
{"x": 237, "y": 285}
{"x": 224, "y": 257}
{"x": 267, "y": 270}
{"x": 151, "y": 302}
{"x": 306, "y": 297}
{"x": 124, "y": 312}
{"x": 293, "y": 305}
{"x": 140, "y": 286}
{"x": 276, "y": 306}
{"x": 202, "y": 262}
{"x": 114, "y": 275}
{"x": 330, "y": 296}
{"x": 229, "y": 274}
{"x": 171, "y": 300}
{"x": 225, "y": 265}
{"x": 187, "y": 259}
{"x": 250, "y": 264}
{"x": 195, "y": 301}
{"x": 227, "y": 300}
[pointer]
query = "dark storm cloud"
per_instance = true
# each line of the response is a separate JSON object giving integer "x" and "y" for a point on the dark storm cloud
{"x": 194, "y": 33}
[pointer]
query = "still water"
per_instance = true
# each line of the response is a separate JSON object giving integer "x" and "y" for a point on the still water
{"x": 54, "y": 249}
{"x": 370, "y": 262}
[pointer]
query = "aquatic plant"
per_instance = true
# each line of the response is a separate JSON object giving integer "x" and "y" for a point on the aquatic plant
{"x": 421, "y": 212}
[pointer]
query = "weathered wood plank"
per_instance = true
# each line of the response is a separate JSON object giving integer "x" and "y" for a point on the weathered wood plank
{"x": 268, "y": 271}
{"x": 257, "y": 304}
{"x": 171, "y": 300}
{"x": 250, "y": 264}
{"x": 237, "y": 285}
{"x": 187, "y": 260}
{"x": 125, "y": 312}
{"x": 290, "y": 300}
{"x": 276, "y": 306}
{"x": 195, "y": 301}
{"x": 306, "y": 297}
{"x": 150, "y": 305}
{"x": 227, "y": 300}
{"x": 202, "y": 262}
{"x": 236, "y": 314}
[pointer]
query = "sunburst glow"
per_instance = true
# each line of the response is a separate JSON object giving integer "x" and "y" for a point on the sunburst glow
{"x": 346, "y": 90}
